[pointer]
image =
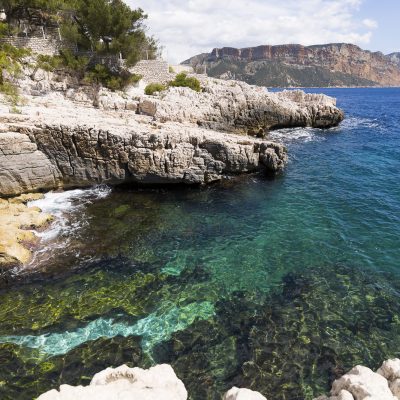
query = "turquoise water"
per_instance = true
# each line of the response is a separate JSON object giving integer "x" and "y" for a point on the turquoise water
{"x": 279, "y": 285}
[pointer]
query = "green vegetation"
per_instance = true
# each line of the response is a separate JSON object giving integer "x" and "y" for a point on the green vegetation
{"x": 10, "y": 69}
{"x": 171, "y": 69}
{"x": 103, "y": 26}
{"x": 182, "y": 80}
{"x": 152, "y": 88}
{"x": 101, "y": 75}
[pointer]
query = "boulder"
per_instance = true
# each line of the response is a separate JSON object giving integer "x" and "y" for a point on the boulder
{"x": 362, "y": 383}
{"x": 242, "y": 394}
{"x": 124, "y": 383}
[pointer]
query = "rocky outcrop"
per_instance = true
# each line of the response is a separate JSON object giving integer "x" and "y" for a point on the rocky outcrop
{"x": 16, "y": 237}
{"x": 179, "y": 137}
{"x": 78, "y": 156}
{"x": 125, "y": 383}
{"x": 335, "y": 64}
{"x": 240, "y": 108}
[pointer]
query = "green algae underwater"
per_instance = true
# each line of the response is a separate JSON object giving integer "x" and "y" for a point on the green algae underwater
{"x": 276, "y": 285}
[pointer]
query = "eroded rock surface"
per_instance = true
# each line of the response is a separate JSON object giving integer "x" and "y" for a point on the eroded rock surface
{"x": 16, "y": 222}
{"x": 361, "y": 383}
{"x": 123, "y": 383}
{"x": 69, "y": 135}
{"x": 238, "y": 107}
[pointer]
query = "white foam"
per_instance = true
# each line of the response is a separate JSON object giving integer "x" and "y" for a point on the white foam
{"x": 63, "y": 205}
{"x": 288, "y": 135}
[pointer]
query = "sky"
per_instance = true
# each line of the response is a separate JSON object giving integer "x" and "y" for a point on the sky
{"x": 188, "y": 27}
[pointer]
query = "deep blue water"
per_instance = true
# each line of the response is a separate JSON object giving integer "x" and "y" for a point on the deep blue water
{"x": 278, "y": 285}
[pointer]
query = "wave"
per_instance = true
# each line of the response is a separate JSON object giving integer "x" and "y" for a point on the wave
{"x": 350, "y": 123}
{"x": 63, "y": 206}
{"x": 288, "y": 135}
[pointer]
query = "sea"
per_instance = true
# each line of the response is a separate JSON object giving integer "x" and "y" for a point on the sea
{"x": 278, "y": 284}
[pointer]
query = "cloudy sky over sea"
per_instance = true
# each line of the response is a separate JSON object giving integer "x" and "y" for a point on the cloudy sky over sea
{"x": 189, "y": 27}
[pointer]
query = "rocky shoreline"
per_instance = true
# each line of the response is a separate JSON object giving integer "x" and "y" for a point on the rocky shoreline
{"x": 160, "y": 382}
{"x": 66, "y": 136}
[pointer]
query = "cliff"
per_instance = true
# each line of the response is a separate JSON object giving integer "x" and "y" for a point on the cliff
{"x": 336, "y": 64}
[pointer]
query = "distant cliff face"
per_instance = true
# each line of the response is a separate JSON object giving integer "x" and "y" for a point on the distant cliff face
{"x": 296, "y": 65}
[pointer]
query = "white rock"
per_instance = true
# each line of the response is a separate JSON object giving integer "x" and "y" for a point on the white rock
{"x": 390, "y": 369}
{"x": 124, "y": 383}
{"x": 395, "y": 387}
{"x": 243, "y": 394}
{"x": 363, "y": 384}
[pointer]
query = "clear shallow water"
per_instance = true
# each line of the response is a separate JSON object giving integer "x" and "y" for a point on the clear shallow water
{"x": 277, "y": 285}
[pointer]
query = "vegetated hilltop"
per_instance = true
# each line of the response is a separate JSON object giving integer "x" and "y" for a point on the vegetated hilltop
{"x": 294, "y": 65}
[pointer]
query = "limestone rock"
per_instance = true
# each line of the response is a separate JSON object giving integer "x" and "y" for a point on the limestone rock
{"x": 53, "y": 156}
{"x": 123, "y": 383}
{"x": 242, "y": 394}
{"x": 390, "y": 369}
{"x": 362, "y": 383}
{"x": 238, "y": 107}
{"x": 16, "y": 220}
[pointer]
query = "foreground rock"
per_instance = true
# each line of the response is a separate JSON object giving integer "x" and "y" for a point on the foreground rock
{"x": 160, "y": 382}
{"x": 16, "y": 222}
{"x": 362, "y": 383}
{"x": 125, "y": 383}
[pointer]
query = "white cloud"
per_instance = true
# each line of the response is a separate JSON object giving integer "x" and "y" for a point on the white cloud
{"x": 189, "y": 27}
{"x": 370, "y": 23}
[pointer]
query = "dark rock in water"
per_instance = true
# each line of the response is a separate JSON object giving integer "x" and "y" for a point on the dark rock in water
{"x": 292, "y": 344}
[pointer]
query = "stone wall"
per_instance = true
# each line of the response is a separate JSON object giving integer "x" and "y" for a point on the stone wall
{"x": 153, "y": 71}
{"x": 48, "y": 46}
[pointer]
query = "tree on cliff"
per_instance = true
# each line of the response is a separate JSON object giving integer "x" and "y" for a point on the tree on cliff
{"x": 112, "y": 26}
{"x": 104, "y": 26}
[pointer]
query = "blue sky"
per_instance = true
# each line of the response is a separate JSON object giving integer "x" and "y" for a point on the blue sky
{"x": 386, "y": 13}
{"x": 189, "y": 27}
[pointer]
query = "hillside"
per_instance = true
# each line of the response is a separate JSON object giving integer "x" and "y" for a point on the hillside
{"x": 296, "y": 65}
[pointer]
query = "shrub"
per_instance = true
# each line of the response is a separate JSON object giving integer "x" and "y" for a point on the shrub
{"x": 152, "y": 88}
{"x": 171, "y": 69}
{"x": 49, "y": 63}
{"x": 102, "y": 75}
{"x": 182, "y": 80}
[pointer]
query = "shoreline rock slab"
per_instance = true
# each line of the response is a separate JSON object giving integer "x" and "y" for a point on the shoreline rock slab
{"x": 16, "y": 236}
